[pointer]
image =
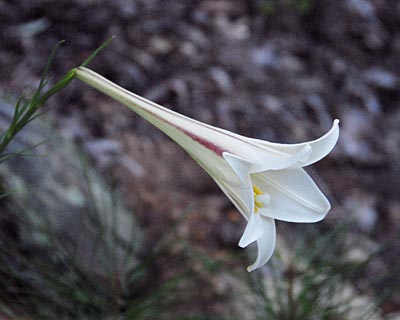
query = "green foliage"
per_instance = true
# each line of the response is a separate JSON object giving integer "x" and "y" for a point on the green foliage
{"x": 95, "y": 272}
{"x": 26, "y": 108}
{"x": 271, "y": 7}
{"x": 313, "y": 281}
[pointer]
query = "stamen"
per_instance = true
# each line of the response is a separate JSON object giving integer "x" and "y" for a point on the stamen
{"x": 261, "y": 200}
{"x": 256, "y": 190}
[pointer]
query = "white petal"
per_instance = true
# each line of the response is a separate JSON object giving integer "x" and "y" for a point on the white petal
{"x": 242, "y": 198}
{"x": 294, "y": 196}
{"x": 243, "y": 165}
{"x": 266, "y": 162}
{"x": 265, "y": 244}
{"x": 253, "y": 231}
{"x": 319, "y": 147}
{"x": 242, "y": 194}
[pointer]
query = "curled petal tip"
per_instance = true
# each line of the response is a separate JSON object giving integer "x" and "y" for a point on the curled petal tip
{"x": 254, "y": 231}
{"x": 322, "y": 146}
{"x": 265, "y": 244}
{"x": 242, "y": 244}
{"x": 250, "y": 268}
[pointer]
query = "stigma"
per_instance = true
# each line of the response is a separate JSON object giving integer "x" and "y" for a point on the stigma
{"x": 261, "y": 199}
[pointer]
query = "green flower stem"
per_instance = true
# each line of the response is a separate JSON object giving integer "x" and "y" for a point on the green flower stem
{"x": 36, "y": 102}
{"x": 25, "y": 109}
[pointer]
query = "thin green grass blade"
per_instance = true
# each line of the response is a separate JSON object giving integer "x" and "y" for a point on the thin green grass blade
{"x": 97, "y": 51}
{"x": 49, "y": 62}
{"x": 17, "y": 111}
{"x": 23, "y": 152}
{"x": 4, "y": 194}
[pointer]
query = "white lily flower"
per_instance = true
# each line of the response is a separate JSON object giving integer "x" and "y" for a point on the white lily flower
{"x": 264, "y": 180}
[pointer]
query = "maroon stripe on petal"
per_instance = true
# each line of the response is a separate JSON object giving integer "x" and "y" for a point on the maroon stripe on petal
{"x": 206, "y": 143}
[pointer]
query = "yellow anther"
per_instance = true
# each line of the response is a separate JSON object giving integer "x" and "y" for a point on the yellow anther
{"x": 256, "y": 190}
{"x": 258, "y": 204}
{"x": 261, "y": 200}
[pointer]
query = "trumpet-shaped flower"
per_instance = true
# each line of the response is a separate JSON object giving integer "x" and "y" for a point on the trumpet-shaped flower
{"x": 265, "y": 181}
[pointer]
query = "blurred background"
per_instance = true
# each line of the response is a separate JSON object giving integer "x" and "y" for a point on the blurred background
{"x": 114, "y": 221}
